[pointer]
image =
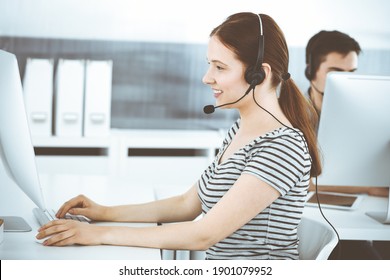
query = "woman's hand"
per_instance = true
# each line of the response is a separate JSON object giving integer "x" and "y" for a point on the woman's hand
{"x": 82, "y": 205}
{"x": 69, "y": 232}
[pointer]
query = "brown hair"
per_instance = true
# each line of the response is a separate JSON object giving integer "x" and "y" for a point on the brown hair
{"x": 240, "y": 33}
{"x": 323, "y": 43}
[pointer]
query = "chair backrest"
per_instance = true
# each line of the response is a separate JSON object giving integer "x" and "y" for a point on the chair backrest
{"x": 316, "y": 240}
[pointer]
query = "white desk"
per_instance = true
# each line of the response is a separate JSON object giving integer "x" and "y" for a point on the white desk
{"x": 57, "y": 189}
{"x": 355, "y": 224}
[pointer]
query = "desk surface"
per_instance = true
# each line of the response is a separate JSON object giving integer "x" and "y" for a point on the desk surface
{"x": 355, "y": 224}
{"x": 57, "y": 189}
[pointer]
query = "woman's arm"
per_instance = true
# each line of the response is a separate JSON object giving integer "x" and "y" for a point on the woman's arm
{"x": 248, "y": 197}
{"x": 183, "y": 207}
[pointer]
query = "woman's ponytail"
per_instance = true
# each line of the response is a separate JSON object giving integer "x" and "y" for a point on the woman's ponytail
{"x": 302, "y": 115}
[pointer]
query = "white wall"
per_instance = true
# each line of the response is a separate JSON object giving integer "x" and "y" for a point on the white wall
{"x": 191, "y": 21}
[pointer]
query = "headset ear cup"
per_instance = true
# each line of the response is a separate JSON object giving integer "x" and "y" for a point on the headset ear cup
{"x": 308, "y": 73}
{"x": 248, "y": 74}
{"x": 254, "y": 77}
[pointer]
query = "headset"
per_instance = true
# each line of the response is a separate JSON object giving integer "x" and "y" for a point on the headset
{"x": 309, "y": 68}
{"x": 309, "y": 73}
{"x": 311, "y": 47}
{"x": 255, "y": 75}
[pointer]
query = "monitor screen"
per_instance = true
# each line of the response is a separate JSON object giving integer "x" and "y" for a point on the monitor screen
{"x": 354, "y": 131}
{"x": 16, "y": 149}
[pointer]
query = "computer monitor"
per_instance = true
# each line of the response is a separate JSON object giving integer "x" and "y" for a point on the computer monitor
{"x": 354, "y": 133}
{"x": 16, "y": 149}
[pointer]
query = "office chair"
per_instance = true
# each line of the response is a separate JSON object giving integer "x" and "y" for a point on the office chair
{"x": 316, "y": 240}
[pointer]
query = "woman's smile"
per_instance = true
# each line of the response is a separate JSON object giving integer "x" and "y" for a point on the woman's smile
{"x": 217, "y": 93}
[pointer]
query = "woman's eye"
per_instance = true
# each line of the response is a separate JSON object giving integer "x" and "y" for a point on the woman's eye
{"x": 219, "y": 67}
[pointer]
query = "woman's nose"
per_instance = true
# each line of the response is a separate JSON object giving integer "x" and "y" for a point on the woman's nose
{"x": 207, "y": 79}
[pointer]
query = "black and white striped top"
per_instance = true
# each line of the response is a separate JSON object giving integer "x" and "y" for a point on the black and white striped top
{"x": 281, "y": 159}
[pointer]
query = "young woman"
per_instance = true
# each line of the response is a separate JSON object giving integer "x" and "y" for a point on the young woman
{"x": 253, "y": 194}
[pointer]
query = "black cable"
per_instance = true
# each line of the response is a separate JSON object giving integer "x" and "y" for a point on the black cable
{"x": 323, "y": 216}
{"x": 316, "y": 192}
{"x": 295, "y": 130}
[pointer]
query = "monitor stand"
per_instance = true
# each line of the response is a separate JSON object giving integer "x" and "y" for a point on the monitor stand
{"x": 382, "y": 217}
{"x": 15, "y": 224}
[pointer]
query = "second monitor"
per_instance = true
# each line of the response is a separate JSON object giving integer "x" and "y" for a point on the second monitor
{"x": 354, "y": 133}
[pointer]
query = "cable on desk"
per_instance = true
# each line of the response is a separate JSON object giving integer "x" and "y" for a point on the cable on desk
{"x": 322, "y": 214}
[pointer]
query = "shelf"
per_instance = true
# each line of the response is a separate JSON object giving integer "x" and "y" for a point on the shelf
{"x": 133, "y": 151}
{"x": 169, "y": 139}
{"x": 71, "y": 142}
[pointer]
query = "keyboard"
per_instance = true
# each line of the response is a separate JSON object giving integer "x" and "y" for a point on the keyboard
{"x": 45, "y": 216}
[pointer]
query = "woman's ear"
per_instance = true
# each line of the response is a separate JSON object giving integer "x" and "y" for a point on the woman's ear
{"x": 267, "y": 70}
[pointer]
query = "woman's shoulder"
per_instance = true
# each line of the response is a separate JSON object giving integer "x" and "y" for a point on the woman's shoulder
{"x": 283, "y": 137}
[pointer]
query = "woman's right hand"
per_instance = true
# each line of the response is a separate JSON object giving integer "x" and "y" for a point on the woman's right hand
{"x": 82, "y": 205}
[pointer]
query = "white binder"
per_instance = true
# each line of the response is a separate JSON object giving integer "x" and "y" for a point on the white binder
{"x": 38, "y": 95}
{"x": 98, "y": 86}
{"x": 69, "y": 98}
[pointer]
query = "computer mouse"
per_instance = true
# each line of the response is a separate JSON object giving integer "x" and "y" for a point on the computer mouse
{"x": 40, "y": 241}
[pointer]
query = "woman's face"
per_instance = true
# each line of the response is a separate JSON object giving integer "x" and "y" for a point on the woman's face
{"x": 225, "y": 74}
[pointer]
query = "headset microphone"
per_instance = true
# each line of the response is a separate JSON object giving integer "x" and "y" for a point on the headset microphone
{"x": 209, "y": 109}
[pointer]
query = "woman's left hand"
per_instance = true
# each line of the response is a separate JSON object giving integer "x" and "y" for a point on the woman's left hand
{"x": 69, "y": 232}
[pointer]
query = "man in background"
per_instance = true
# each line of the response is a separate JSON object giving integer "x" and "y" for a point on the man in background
{"x": 329, "y": 51}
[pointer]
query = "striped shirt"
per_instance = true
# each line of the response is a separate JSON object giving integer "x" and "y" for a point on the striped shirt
{"x": 281, "y": 159}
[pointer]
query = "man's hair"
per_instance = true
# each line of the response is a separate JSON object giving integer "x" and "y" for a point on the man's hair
{"x": 323, "y": 43}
